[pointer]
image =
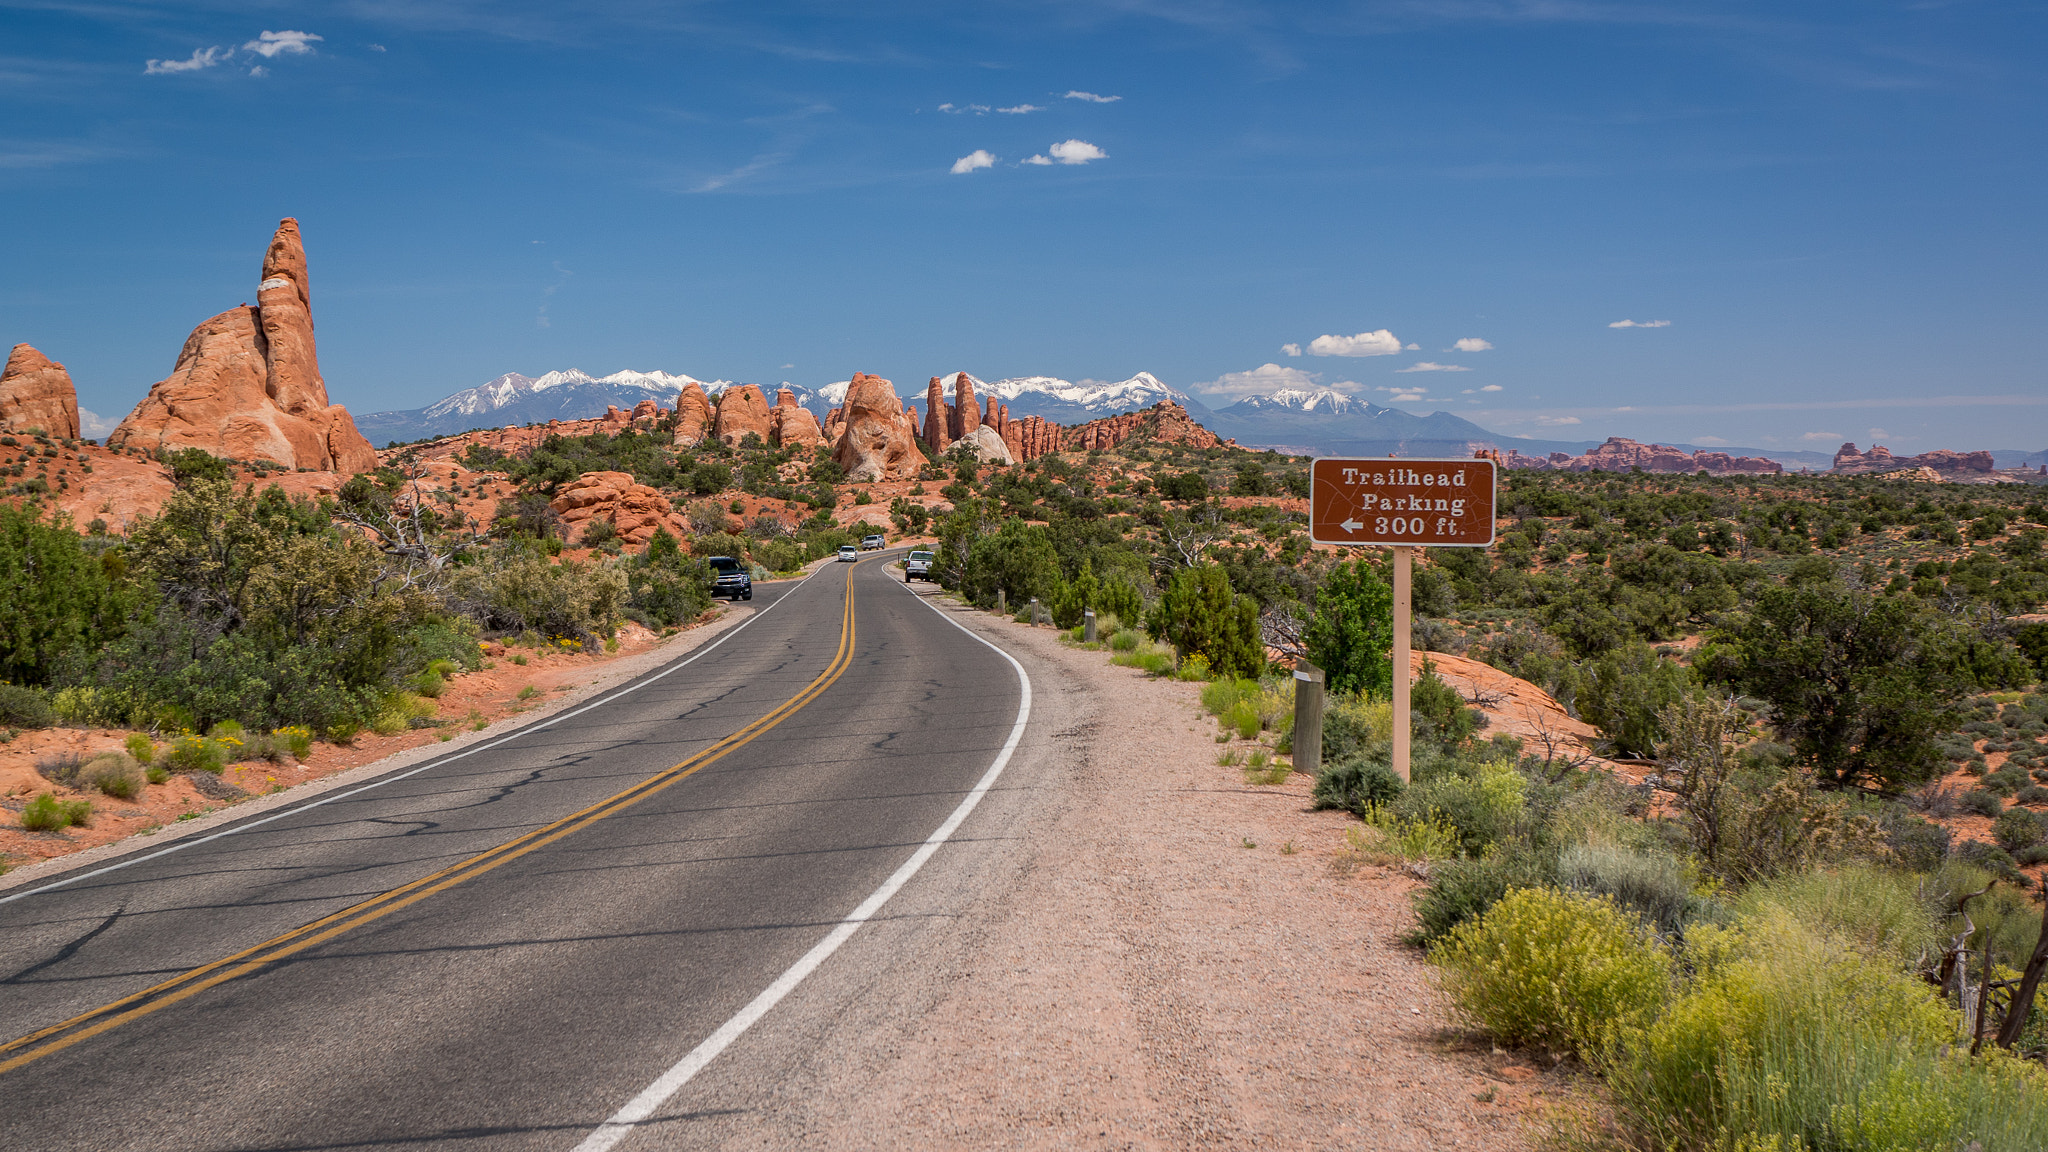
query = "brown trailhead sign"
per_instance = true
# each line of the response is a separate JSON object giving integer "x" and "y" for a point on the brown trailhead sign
{"x": 1420, "y": 503}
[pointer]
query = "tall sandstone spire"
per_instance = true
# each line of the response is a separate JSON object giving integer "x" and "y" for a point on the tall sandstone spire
{"x": 36, "y": 395}
{"x": 247, "y": 383}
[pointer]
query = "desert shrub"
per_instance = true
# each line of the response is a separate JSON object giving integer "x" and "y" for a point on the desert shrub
{"x": 400, "y": 711}
{"x": 141, "y": 747}
{"x": 1383, "y": 838}
{"x": 1483, "y": 800}
{"x": 62, "y": 599}
{"x": 1981, "y": 802}
{"x": 1462, "y": 889}
{"x": 1199, "y": 613}
{"x": 1243, "y": 717}
{"x": 1357, "y": 785}
{"x": 1564, "y": 971}
{"x": 779, "y": 555}
{"x": 296, "y": 739}
{"x": 2016, "y": 828}
{"x": 1125, "y": 640}
{"x": 88, "y": 707}
{"x": 24, "y": 707}
{"x": 2005, "y": 781}
{"x": 1355, "y": 724}
{"x": 61, "y": 767}
{"x": 1791, "y": 1037}
{"x": 1622, "y": 693}
{"x": 664, "y": 587}
{"x": 2032, "y": 794}
{"x": 1653, "y": 885}
{"x": 433, "y": 679}
{"x": 517, "y": 589}
{"x": 1351, "y": 631}
{"x": 46, "y": 813}
{"x": 114, "y": 773}
{"x": 1438, "y": 712}
{"x": 1991, "y": 858}
{"x": 597, "y": 532}
{"x": 1220, "y": 696}
{"x": 1879, "y": 912}
{"x": 195, "y": 754}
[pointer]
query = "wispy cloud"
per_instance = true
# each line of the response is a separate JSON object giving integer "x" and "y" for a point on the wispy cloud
{"x": 1471, "y": 344}
{"x": 1640, "y": 324}
{"x": 977, "y": 159}
{"x": 200, "y": 58}
{"x": 964, "y": 109}
{"x": 270, "y": 44}
{"x": 1832, "y": 437}
{"x": 1558, "y": 421}
{"x": 1378, "y": 343}
{"x": 1432, "y": 366}
{"x": 1091, "y": 97}
{"x": 1261, "y": 381}
{"x": 1291, "y": 349}
{"x": 1020, "y": 109}
{"x": 753, "y": 167}
{"x": 1470, "y": 391}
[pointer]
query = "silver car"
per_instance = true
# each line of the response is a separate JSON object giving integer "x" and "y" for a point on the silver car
{"x": 848, "y": 553}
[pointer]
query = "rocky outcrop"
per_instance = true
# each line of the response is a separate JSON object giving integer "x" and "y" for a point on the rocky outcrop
{"x": 988, "y": 447}
{"x": 1850, "y": 462}
{"x": 791, "y": 425}
{"x": 938, "y": 418}
{"x": 1620, "y": 454}
{"x": 1165, "y": 422}
{"x": 966, "y": 412}
{"x": 878, "y": 438}
{"x": 36, "y": 395}
{"x": 693, "y": 415}
{"x": 247, "y": 384}
{"x": 633, "y": 509}
{"x": 742, "y": 409}
{"x": 646, "y": 410}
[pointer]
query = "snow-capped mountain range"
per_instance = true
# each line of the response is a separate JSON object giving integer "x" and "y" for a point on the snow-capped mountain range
{"x": 1291, "y": 419}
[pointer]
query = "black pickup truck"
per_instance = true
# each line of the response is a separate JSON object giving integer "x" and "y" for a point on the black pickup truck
{"x": 730, "y": 578}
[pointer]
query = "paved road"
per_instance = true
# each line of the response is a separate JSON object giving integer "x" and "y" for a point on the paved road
{"x": 518, "y": 1000}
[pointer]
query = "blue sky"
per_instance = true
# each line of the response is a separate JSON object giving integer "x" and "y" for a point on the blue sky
{"x": 1823, "y": 219}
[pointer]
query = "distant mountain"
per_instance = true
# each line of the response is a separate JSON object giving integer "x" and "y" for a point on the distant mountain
{"x": 566, "y": 395}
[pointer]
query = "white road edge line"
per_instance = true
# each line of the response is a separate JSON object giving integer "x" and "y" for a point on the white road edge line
{"x": 437, "y": 762}
{"x": 639, "y": 1108}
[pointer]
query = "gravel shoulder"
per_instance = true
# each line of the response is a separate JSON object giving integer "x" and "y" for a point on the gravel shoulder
{"x": 1181, "y": 960}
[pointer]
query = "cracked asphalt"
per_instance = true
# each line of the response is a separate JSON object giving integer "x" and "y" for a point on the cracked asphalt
{"x": 524, "y": 1005}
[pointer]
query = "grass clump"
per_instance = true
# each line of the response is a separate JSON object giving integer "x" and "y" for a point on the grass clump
{"x": 25, "y": 707}
{"x": 115, "y": 774}
{"x": 1262, "y": 768}
{"x": 46, "y": 813}
{"x": 141, "y": 747}
{"x": 1559, "y": 970}
{"x": 196, "y": 754}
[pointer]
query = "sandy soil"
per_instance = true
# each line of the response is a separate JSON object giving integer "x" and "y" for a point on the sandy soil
{"x": 1190, "y": 961}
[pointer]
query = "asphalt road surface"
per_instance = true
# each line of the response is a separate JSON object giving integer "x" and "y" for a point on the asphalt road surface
{"x": 510, "y": 947}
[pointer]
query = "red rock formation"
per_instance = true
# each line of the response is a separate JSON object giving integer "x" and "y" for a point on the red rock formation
{"x": 742, "y": 409}
{"x": 1849, "y": 462}
{"x": 634, "y": 509}
{"x": 791, "y": 424}
{"x": 1165, "y": 422}
{"x": 36, "y": 395}
{"x": 646, "y": 410}
{"x": 693, "y": 415}
{"x": 877, "y": 442}
{"x": 247, "y": 383}
{"x": 1620, "y": 454}
{"x": 938, "y": 419}
{"x": 966, "y": 412}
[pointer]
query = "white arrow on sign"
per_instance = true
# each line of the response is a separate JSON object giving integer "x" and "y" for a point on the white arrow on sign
{"x": 1351, "y": 525}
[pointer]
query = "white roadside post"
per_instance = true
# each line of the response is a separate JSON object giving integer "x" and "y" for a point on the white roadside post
{"x": 1402, "y": 504}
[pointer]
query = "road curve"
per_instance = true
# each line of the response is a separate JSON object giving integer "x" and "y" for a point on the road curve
{"x": 508, "y": 947}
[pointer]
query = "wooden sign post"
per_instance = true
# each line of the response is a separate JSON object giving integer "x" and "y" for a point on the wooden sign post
{"x": 1402, "y": 504}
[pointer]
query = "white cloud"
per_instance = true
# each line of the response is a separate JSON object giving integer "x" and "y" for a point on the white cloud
{"x": 1710, "y": 441}
{"x": 1380, "y": 343}
{"x": 1491, "y": 388}
{"x": 1291, "y": 349}
{"x": 979, "y": 158}
{"x": 377, "y": 48}
{"x": 1405, "y": 398}
{"x": 1021, "y": 109}
{"x": 1415, "y": 348}
{"x": 259, "y": 70}
{"x": 93, "y": 425}
{"x": 962, "y": 109}
{"x": 1879, "y": 434}
{"x": 1432, "y": 366}
{"x": 1260, "y": 381}
{"x": 1640, "y": 324}
{"x": 1092, "y": 98}
{"x": 1471, "y": 344}
{"x": 200, "y": 58}
{"x": 1823, "y": 436}
{"x": 1557, "y": 421}
{"x": 1034, "y": 160}
{"x": 1076, "y": 152}
{"x": 268, "y": 44}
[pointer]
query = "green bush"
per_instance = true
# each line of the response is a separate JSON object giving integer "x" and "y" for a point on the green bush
{"x": 89, "y": 707}
{"x": 517, "y": 589}
{"x": 1981, "y": 802}
{"x": 1355, "y": 725}
{"x": 23, "y": 707}
{"x": 1350, "y": 635}
{"x": 1125, "y": 640}
{"x": 1357, "y": 785}
{"x": 295, "y": 739}
{"x": 1623, "y": 691}
{"x": 1482, "y": 799}
{"x": 1220, "y": 696}
{"x": 46, "y": 813}
{"x": 1460, "y": 890}
{"x": 2016, "y": 828}
{"x": 1877, "y": 911}
{"x": 195, "y": 754}
{"x": 1653, "y": 885}
{"x": 1244, "y": 718}
{"x": 1563, "y": 971}
{"x": 1200, "y": 614}
{"x": 114, "y": 773}
{"x": 433, "y": 679}
{"x": 141, "y": 747}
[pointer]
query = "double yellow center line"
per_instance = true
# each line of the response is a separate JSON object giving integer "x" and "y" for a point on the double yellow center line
{"x": 57, "y": 1037}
